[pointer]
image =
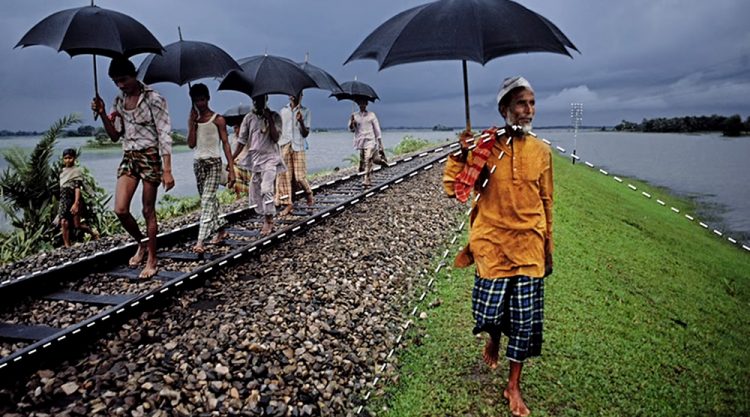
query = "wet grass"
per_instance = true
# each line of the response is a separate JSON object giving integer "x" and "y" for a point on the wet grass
{"x": 646, "y": 315}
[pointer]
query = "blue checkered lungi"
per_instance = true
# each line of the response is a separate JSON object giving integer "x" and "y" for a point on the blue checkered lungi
{"x": 513, "y": 306}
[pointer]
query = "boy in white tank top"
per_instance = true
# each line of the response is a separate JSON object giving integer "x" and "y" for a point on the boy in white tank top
{"x": 207, "y": 135}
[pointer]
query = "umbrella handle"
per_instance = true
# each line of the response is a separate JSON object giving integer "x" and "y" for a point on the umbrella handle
{"x": 96, "y": 87}
{"x": 466, "y": 96}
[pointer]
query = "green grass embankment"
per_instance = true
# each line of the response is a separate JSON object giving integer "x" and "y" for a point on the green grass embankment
{"x": 646, "y": 315}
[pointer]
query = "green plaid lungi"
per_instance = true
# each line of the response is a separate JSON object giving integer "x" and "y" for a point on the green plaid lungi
{"x": 513, "y": 306}
{"x": 208, "y": 177}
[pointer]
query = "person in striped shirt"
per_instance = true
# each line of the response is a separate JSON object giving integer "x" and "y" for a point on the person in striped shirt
{"x": 140, "y": 119}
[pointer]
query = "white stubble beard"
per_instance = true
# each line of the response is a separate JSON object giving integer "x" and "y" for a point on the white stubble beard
{"x": 525, "y": 128}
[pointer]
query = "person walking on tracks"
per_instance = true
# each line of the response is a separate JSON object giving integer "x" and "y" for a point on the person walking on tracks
{"x": 207, "y": 135}
{"x": 511, "y": 231}
{"x": 367, "y": 138}
{"x": 295, "y": 127}
{"x": 144, "y": 127}
{"x": 259, "y": 133}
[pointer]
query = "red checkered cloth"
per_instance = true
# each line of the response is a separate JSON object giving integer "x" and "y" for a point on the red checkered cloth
{"x": 468, "y": 176}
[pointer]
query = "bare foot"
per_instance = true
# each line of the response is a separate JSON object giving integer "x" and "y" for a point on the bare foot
{"x": 267, "y": 229}
{"x": 220, "y": 236}
{"x": 138, "y": 257}
{"x": 515, "y": 402}
{"x": 199, "y": 248}
{"x": 288, "y": 209}
{"x": 148, "y": 272}
{"x": 310, "y": 200}
{"x": 95, "y": 235}
{"x": 490, "y": 354}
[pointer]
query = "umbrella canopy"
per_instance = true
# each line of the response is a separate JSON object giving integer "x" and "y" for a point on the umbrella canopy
{"x": 234, "y": 115}
{"x": 185, "y": 61}
{"x": 267, "y": 74}
{"x": 352, "y": 90}
{"x": 92, "y": 30}
{"x": 467, "y": 30}
{"x": 322, "y": 78}
{"x": 237, "y": 111}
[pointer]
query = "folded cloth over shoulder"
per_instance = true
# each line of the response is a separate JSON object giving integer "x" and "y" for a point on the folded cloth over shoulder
{"x": 468, "y": 176}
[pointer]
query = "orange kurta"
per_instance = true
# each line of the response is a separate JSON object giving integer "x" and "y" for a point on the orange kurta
{"x": 511, "y": 223}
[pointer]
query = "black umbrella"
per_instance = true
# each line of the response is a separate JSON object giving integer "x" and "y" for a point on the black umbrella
{"x": 469, "y": 30}
{"x": 322, "y": 78}
{"x": 352, "y": 90}
{"x": 267, "y": 74}
{"x": 92, "y": 30}
{"x": 234, "y": 115}
{"x": 184, "y": 61}
{"x": 237, "y": 111}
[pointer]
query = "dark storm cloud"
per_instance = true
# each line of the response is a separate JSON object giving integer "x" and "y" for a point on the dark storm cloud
{"x": 639, "y": 59}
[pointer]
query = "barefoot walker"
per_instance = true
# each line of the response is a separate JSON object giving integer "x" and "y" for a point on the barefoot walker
{"x": 140, "y": 117}
{"x": 295, "y": 128}
{"x": 259, "y": 133}
{"x": 511, "y": 232}
{"x": 367, "y": 138}
{"x": 207, "y": 136}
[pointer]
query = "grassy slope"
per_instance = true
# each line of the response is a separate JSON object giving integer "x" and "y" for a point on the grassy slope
{"x": 646, "y": 314}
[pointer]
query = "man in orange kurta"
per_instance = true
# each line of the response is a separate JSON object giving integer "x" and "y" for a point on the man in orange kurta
{"x": 510, "y": 174}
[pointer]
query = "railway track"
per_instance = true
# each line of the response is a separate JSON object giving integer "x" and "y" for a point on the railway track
{"x": 90, "y": 296}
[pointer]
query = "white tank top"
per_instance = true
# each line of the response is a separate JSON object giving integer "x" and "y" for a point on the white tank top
{"x": 208, "y": 144}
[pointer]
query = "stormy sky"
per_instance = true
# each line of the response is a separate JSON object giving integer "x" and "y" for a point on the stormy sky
{"x": 639, "y": 58}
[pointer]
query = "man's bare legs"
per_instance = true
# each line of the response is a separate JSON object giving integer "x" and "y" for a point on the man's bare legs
{"x": 148, "y": 199}
{"x": 267, "y": 225}
{"x": 221, "y": 234}
{"x": 512, "y": 391}
{"x": 124, "y": 191}
{"x": 491, "y": 349}
{"x": 310, "y": 199}
{"x": 126, "y": 187}
{"x": 287, "y": 209}
{"x": 65, "y": 229}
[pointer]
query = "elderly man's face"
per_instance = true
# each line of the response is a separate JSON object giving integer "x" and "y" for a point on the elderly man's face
{"x": 521, "y": 109}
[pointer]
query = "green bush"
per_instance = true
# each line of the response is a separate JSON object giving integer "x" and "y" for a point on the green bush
{"x": 410, "y": 144}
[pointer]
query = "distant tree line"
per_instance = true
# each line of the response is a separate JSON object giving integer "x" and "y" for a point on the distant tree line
{"x": 729, "y": 126}
{"x": 19, "y": 133}
{"x": 86, "y": 130}
{"x": 98, "y": 134}
{"x": 83, "y": 131}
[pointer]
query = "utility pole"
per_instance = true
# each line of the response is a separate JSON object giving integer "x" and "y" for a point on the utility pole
{"x": 576, "y": 118}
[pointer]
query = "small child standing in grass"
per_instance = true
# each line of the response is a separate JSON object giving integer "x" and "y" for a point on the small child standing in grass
{"x": 72, "y": 207}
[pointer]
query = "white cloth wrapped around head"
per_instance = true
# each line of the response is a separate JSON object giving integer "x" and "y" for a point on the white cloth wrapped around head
{"x": 509, "y": 84}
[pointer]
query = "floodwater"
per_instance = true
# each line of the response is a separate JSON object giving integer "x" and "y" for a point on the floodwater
{"x": 707, "y": 167}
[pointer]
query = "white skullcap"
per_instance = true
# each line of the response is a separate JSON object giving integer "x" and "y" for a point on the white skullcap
{"x": 511, "y": 83}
